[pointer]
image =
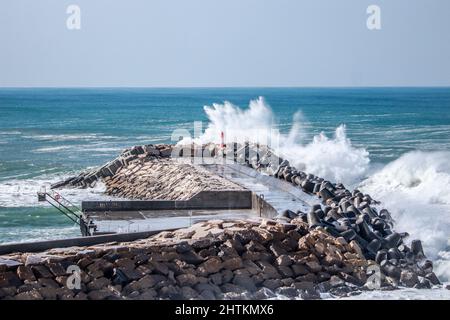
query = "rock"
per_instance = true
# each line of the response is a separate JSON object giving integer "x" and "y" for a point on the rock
{"x": 216, "y": 279}
{"x": 277, "y": 249}
{"x": 29, "y": 295}
{"x": 191, "y": 258}
{"x": 313, "y": 266}
{"x": 309, "y": 294}
{"x": 208, "y": 287}
{"x": 229, "y": 287}
{"x": 148, "y": 294}
{"x": 310, "y": 277}
{"x": 98, "y": 283}
{"x": 212, "y": 265}
{"x": 128, "y": 274}
{"x": 99, "y": 294}
{"x": 80, "y": 296}
{"x": 9, "y": 264}
{"x": 417, "y": 249}
{"x": 119, "y": 277}
{"x": 264, "y": 294}
{"x": 232, "y": 263}
{"x": 149, "y": 281}
{"x": 341, "y": 241}
{"x": 392, "y": 271}
{"x": 207, "y": 295}
{"x": 251, "y": 267}
{"x": 268, "y": 271}
{"x": 57, "y": 269}
{"x": 84, "y": 262}
{"x": 41, "y": 271}
{"x": 125, "y": 263}
{"x": 159, "y": 268}
{"x": 33, "y": 260}
{"x": 424, "y": 283}
{"x": 201, "y": 243}
{"x": 433, "y": 278}
{"x": 188, "y": 293}
{"x": 187, "y": 280}
{"x": 287, "y": 292}
{"x": 25, "y": 273}
{"x": 245, "y": 282}
{"x": 357, "y": 249}
{"x": 9, "y": 279}
{"x": 284, "y": 260}
{"x": 408, "y": 278}
{"x": 227, "y": 275}
{"x": 183, "y": 247}
{"x": 393, "y": 240}
{"x": 272, "y": 284}
{"x": 299, "y": 270}
{"x": 47, "y": 282}
{"x": 304, "y": 285}
{"x": 48, "y": 293}
{"x": 351, "y": 279}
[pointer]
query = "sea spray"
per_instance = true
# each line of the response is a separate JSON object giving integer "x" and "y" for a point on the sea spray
{"x": 416, "y": 189}
{"x": 335, "y": 159}
{"x": 23, "y": 192}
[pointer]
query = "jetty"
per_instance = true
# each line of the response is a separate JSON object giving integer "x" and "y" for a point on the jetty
{"x": 213, "y": 221}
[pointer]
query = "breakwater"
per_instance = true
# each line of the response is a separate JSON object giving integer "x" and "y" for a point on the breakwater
{"x": 340, "y": 212}
{"x": 338, "y": 246}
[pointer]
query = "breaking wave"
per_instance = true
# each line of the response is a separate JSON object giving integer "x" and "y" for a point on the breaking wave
{"x": 334, "y": 158}
{"x": 416, "y": 189}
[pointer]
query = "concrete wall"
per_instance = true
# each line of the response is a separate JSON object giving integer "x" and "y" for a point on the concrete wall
{"x": 241, "y": 199}
{"x": 74, "y": 242}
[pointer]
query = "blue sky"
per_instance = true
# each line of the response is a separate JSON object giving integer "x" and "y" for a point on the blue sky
{"x": 167, "y": 43}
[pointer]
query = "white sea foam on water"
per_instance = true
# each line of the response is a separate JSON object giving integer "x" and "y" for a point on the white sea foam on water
{"x": 333, "y": 158}
{"x": 15, "y": 235}
{"x": 23, "y": 192}
{"x": 402, "y": 294}
{"x": 416, "y": 189}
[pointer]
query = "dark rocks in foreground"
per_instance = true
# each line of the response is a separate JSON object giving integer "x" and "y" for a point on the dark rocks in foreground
{"x": 211, "y": 260}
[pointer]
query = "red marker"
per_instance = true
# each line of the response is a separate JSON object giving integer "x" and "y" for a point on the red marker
{"x": 222, "y": 144}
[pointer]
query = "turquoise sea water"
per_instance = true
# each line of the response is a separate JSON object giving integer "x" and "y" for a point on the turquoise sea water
{"x": 49, "y": 133}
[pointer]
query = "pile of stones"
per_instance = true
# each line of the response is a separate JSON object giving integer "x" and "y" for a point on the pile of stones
{"x": 165, "y": 179}
{"x": 137, "y": 153}
{"x": 234, "y": 259}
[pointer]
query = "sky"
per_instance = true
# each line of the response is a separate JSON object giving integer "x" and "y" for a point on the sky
{"x": 224, "y": 43}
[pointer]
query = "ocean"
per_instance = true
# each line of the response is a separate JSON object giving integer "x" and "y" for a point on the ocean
{"x": 393, "y": 143}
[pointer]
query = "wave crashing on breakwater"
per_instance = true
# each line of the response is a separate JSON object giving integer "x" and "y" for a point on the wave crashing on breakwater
{"x": 334, "y": 159}
{"x": 415, "y": 187}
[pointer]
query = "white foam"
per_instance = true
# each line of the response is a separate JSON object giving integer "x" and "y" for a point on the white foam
{"x": 416, "y": 189}
{"x": 23, "y": 192}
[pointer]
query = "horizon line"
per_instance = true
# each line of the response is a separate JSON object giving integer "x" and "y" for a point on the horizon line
{"x": 223, "y": 87}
